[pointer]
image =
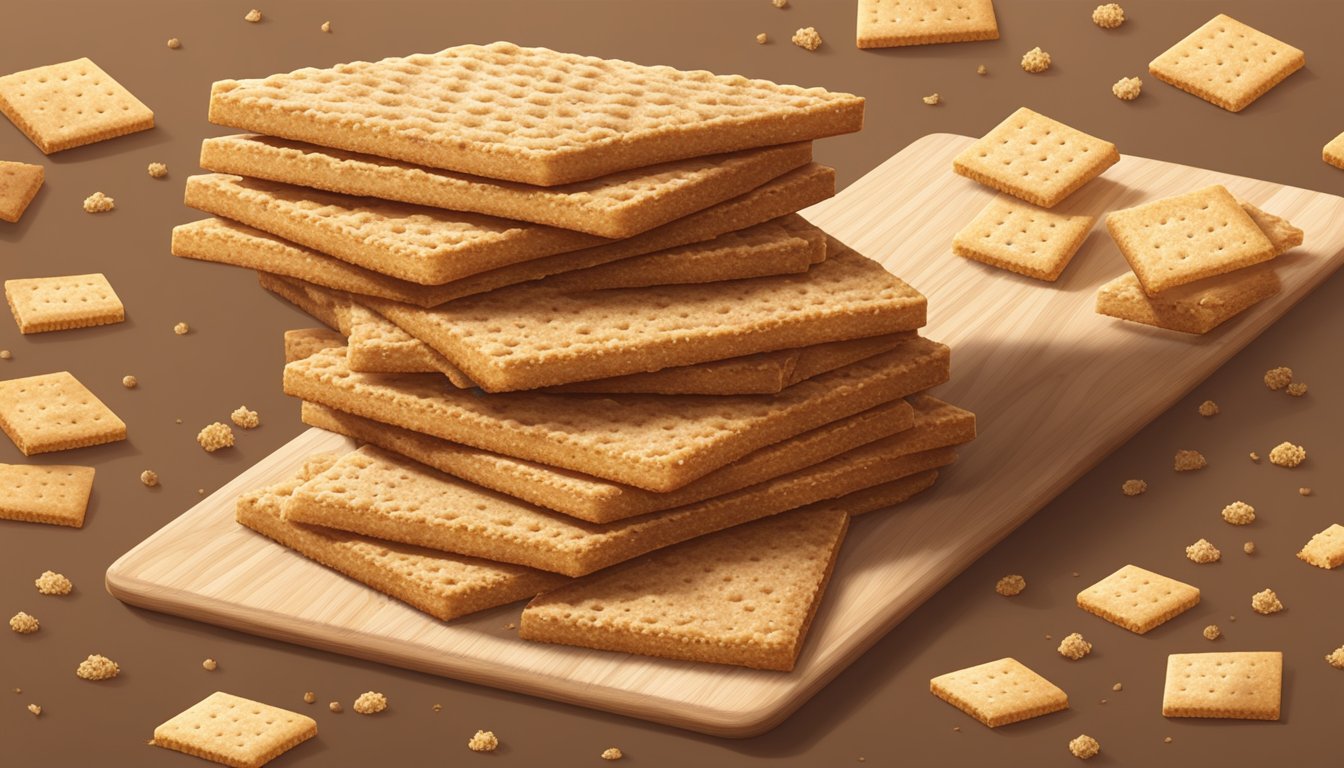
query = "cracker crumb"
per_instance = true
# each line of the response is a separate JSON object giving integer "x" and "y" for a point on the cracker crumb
{"x": 780, "y": 3}
{"x": 762, "y": 39}
{"x": 174, "y": 43}
{"x": 149, "y": 477}
{"x": 956, "y": 729}
{"x": 1208, "y": 408}
{"x": 245, "y": 418}
{"x": 1108, "y": 16}
{"x": 1167, "y": 740}
{"x": 200, "y": 491}
{"x": 1336, "y": 658}
{"x": 807, "y": 37}
{"x": 614, "y": 753}
{"x": 5, "y": 354}
{"x": 1035, "y": 60}
{"x": 24, "y": 623}
{"x": 253, "y": 16}
{"x": 1255, "y": 457}
{"x": 309, "y": 697}
{"x": 1286, "y": 454}
{"x": 1074, "y": 647}
{"x": 932, "y": 99}
{"x": 1212, "y": 632}
{"x": 1231, "y": 618}
{"x": 97, "y": 667}
{"x": 1297, "y": 389}
{"x": 35, "y": 709}
{"x": 326, "y": 26}
{"x": 1103, "y": 701}
{"x": 336, "y": 707}
{"x": 209, "y": 665}
{"x": 177, "y": 421}
{"x": 1010, "y": 585}
{"x": 130, "y": 382}
{"x": 157, "y": 170}
{"x": 98, "y": 203}
{"x": 1248, "y": 547}
{"x": 52, "y": 583}
{"x": 1266, "y": 602}
{"x": 1239, "y": 513}
{"x": 483, "y": 741}
{"x": 982, "y": 70}
{"x": 370, "y": 703}
{"x": 1133, "y": 487}
{"x": 1128, "y": 89}
{"x": 1118, "y": 687}
{"x": 510, "y": 625}
{"x": 215, "y": 436}
{"x": 1304, "y": 491}
{"x": 1278, "y": 378}
{"x": 181, "y": 329}
{"x": 1084, "y": 747}
{"x": 1202, "y": 552}
{"x": 1189, "y": 461}
{"x": 437, "y": 707}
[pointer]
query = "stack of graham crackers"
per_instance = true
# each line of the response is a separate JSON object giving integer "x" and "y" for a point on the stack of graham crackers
{"x": 589, "y": 347}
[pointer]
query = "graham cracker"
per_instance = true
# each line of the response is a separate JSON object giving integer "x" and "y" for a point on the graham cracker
{"x": 745, "y": 596}
{"x": 443, "y": 586}
{"x": 54, "y": 412}
{"x": 379, "y": 346}
{"x": 70, "y": 104}
{"x": 19, "y": 183}
{"x": 1243, "y": 685}
{"x": 999, "y": 692}
{"x": 1138, "y": 600}
{"x": 529, "y": 336}
{"x": 234, "y": 731}
{"x": 49, "y": 494}
{"x": 1181, "y": 239}
{"x": 880, "y": 496}
{"x": 1333, "y": 153}
{"x": 1022, "y": 238}
{"x": 1196, "y": 308}
{"x": 43, "y": 304}
{"x": 891, "y": 23}
{"x": 530, "y": 115}
{"x": 1035, "y": 158}
{"x": 376, "y": 493}
{"x": 1227, "y": 63}
{"x": 305, "y": 342}
{"x": 296, "y": 293}
{"x": 1326, "y": 549}
{"x": 615, "y": 206}
{"x": 657, "y": 442}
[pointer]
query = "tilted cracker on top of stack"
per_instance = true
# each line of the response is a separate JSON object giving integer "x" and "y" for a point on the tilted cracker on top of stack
{"x": 583, "y": 336}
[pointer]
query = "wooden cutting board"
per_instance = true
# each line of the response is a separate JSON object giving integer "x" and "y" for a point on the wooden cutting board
{"x": 1056, "y": 388}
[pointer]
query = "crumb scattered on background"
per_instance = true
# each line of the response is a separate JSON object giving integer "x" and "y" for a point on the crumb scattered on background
{"x": 245, "y": 418}
{"x": 1297, "y": 389}
{"x": 97, "y": 667}
{"x": 52, "y": 583}
{"x": 336, "y": 707}
{"x": 309, "y": 697}
{"x": 149, "y": 477}
{"x": 1255, "y": 456}
{"x": 98, "y": 203}
{"x": 1239, "y": 513}
{"x": 982, "y": 70}
{"x": 614, "y": 753}
{"x": 1128, "y": 89}
{"x": 932, "y": 99}
{"x": 1208, "y": 408}
{"x": 483, "y": 741}
{"x": 1287, "y": 455}
{"x": 326, "y": 26}
{"x": 1212, "y": 632}
{"x": 215, "y": 436}
{"x": 1166, "y": 740}
{"x": 35, "y": 709}
{"x": 1278, "y": 378}
{"x": 1010, "y": 585}
{"x": 1304, "y": 491}
{"x": 157, "y": 170}
{"x": 1336, "y": 658}
{"x": 370, "y": 703}
{"x": 24, "y": 623}
{"x": 761, "y": 38}
{"x": 1084, "y": 747}
{"x": 1248, "y": 547}
{"x": 1203, "y": 552}
{"x": 130, "y": 382}
{"x": 1133, "y": 487}
{"x": 1118, "y": 687}
{"x": 253, "y": 16}
{"x": 174, "y": 43}
{"x": 780, "y": 3}
{"x": 209, "y": 665}
{"x": 1108, "y": 16}
{"x": 5, "y": 354}
{"x": 1188, "y": 461}
{"x": 1266, "y": 602}
{"x": 1074, "y": 647}
{"x": 1036, "y": 60}
{"x": 807, "y": 37}
{"x": 181, "y": 329}
{"x": 437, "y": 707}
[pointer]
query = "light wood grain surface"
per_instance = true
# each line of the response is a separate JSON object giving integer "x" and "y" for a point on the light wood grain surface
{"x": 1055, "y": 387}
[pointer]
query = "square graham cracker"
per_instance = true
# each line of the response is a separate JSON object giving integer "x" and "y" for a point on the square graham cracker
{"x": 1035, "y": 158}
{"x": 1138, "y": 600}
{"x": 54, "y": 412}
{"x": 234, "y": 731}
{"x": 1196, "y": 308}
{"x": 43, "y": 304}
{"x": 1246, "y": 685}
{"x": 70, "y": 104}
{"x": 1227, "y": 63}
{"x": 1326, "y": 549}
{"x": 1023, "y": 238}
{"x": 999, "y": 692}
{"x": 892, "y": 23}
{"x": 19, "y": 183}
{"x": 1181, "y": 239}
{"x": 745, "y": 596}
{"x": 1334, "y": 152}
{"x": 48, "y": 494}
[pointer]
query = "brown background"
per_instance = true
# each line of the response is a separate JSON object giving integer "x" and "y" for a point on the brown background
{"x": 879, "y": 709}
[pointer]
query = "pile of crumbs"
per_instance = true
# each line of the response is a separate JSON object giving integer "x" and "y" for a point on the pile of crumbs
{"x": 1203, "y": 552}
{"x": 1084, "y": 747}
{"x": 1108, "y": 16}
{"x": 1239, "y": 513}
{"x": 215, "y": 436}
{"x": 1074, "y": 647}
{"x": 24, "y": 623}
{"x": 1036, "y": 60}
{"x": 1266, "y": 602}
{"x": 97, "y": 667}
{"x": 52, "y": 583}
{"x": 1286, "y": 454}
{"x": 483, "y": 741}
{"x": 98, "y": 203}
{"x": 370, "y": 703}
{"x": 1010, "y": 585}
{"x": 1188, "y": 461}
{"x": 1128, "y": 89}
{"x": 245, "y": 418}
{"x": 1133, "y": 487}
{"x": 807, "y": 37}
{"x": 1212, "y": 632}
{"x": 1278, "y": 378}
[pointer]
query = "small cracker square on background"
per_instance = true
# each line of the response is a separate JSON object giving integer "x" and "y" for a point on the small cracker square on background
{"x": 234, "y": 731}
{"x": 1035, "y": 158}
{"x": 43, "y": 304}
{"x": 999, "y": 692}
{"x": 55, "y": 412}
{"x": 1181, "y": 239}
{"x": 66, "y": 105}
{"x": 1227, "y": 63}
{"x": 1334, "y": 152}
{"x": 1137, "y": 599}
{"x": 49, "y": 494}
{"x": 1023, "y": 238}
{"x": 19, "y": 183}
{"x": 1326, "y": 549}
{"x": 892, "y": 23}
{"x": 1240, "y": 685}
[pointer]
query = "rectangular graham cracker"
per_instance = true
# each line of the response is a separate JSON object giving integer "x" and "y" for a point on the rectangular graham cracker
{"x": 376, "y": 493}
{"x": 1326, "y": 549}
{"x": 70, "y": 104}
{"x": 1181, "y": 239}
{"x": 43, "y": 304}
{"x": 1023, "y": 238}
{"x": 48, "y": 494}
{"x": 306, "y": 342}
{"x": 54, "y": 412}
{"x": 999, "y": 692}
{"x": 377, "y": 345}
{"x": 1138, "y": 600}
{"x": 19, "y": 183}
{"x": 657, "y": 442}
{"x": 1035, "y": 158}
{"x": 530, "y": 115}
{"x": 1334, "y": 152}
{"x": 443, "y": 586}
{"x": 616, "y": 206}
{"x": 234, "y": 731}
{"x": 1245, "y": 685}
{"x": 529, "y": 336}
{"x": 1227, "y": 63}
{"x": 745, "y": 596}
{"x": 891, "y": 23}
